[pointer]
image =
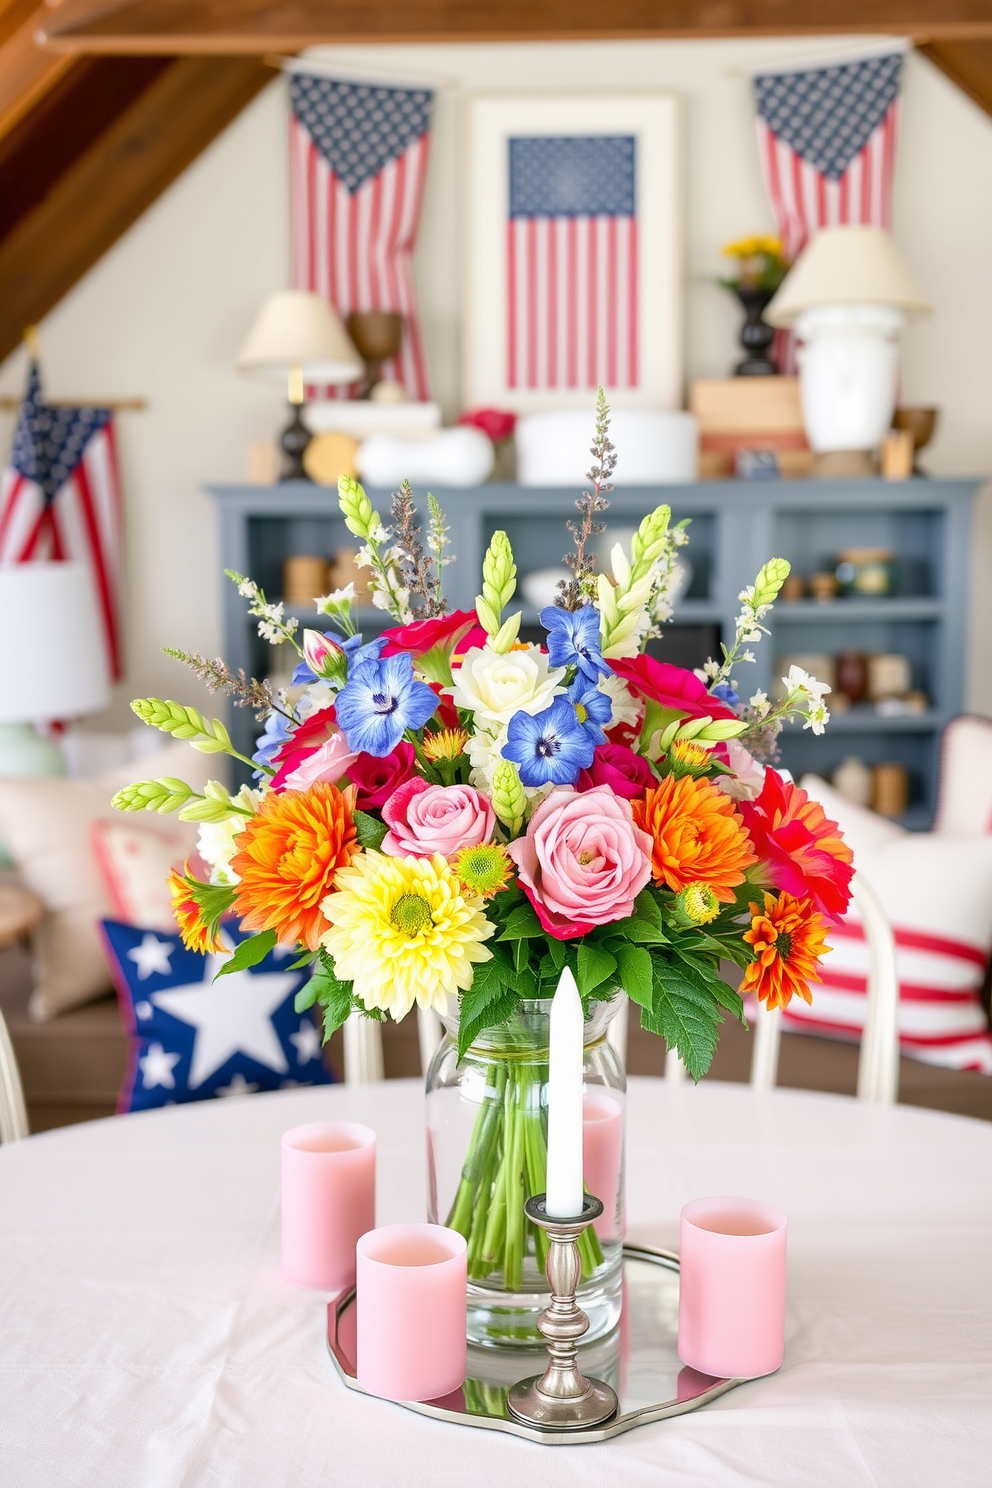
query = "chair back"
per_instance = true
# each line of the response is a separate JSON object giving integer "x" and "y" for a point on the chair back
{"x": 13, "y": 1112}
{"x": 878, "y": 1063}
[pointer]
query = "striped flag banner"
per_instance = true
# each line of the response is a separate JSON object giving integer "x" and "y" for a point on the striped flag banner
{"x": 572, "y": 263}
{"x": 827, "y": 139}
{"x": 60, "y": 498}
{"x": 358, "y": 154}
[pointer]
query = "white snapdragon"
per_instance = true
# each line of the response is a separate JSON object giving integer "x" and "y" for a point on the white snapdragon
{"x": 336, "y": 601}
{"x": 802, "y": 687}
{"x": 216, "y": 840}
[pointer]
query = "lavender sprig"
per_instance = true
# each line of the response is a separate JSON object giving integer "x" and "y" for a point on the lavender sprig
{"x": 574, "y": 592}
{"x": 418, "y": 572}
{"x": 217, "y": 676}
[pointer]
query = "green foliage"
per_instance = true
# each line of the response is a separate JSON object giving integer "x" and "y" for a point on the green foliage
{"x": 356, "y": 508}
{"x": 489, "y": 1001}
{"x": 594, "y": 966}
{"x": 249, "y": 953}
{"x": 209, "y": 736}
{"x": 636, "y": 972}
{"x": 369, "y": 830}
{"x": 161, "y": 795}
{"x": 685, "y": 1015}
{"x": 335, "y": 996}
{"x": 499, "y": 580}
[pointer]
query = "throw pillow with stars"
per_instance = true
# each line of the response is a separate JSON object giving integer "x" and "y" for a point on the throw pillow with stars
{"x": 191, "y": 1038}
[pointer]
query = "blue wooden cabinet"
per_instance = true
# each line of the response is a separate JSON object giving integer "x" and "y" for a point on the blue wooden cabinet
{"x": 735, "y": 526}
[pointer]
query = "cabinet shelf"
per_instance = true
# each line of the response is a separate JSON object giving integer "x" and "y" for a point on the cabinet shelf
{"x": 736, "y": 527}
{"x": 846, "y": 611}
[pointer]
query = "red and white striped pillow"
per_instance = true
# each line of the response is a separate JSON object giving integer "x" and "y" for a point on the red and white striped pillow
{"x": 937, "y": 891}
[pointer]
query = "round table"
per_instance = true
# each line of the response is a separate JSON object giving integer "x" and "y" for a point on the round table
{"x": 147, "y": 1340}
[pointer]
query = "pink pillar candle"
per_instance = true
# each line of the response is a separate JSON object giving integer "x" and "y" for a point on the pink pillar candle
{"x": 411, "y": 1311}
{"x": 602, "y": 1156}
{"x": 328, "y": 1200}
{"x": 732, "y": 1287}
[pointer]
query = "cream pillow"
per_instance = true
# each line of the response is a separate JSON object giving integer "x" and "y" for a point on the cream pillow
{"x": 47, "y": 827}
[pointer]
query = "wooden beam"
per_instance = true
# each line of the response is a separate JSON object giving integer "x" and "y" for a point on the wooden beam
{"x": 115, "y": 180}
{"x": 229, "y": 26}
{"x": 966, "y": 63}
{"x": 26, "y": 71}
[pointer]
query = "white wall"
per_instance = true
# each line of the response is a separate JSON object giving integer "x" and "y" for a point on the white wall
{"x": 163, "y": 313}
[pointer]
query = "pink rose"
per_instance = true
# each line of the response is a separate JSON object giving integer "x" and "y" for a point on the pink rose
{"x": 627, "y": 774}
{"x": 302, "y": 768}
{"x": 425, "y": 819}
{"x": 377, "y": 778}
{"x": 582, "y": 862}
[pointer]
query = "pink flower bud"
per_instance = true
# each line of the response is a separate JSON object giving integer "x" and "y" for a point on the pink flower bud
{"x": 322, "y": 654}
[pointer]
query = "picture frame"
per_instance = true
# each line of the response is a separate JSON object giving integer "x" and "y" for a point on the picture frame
{"x": 573, "y": 251}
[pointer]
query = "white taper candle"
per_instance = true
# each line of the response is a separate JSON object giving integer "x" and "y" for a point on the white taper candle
{"x": 564, "y": 1184}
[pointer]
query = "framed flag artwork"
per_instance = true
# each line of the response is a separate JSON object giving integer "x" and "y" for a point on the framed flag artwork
{"x": 573, "y": 273}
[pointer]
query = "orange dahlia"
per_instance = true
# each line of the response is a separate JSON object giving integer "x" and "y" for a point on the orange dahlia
{"x": 789, "y": 940}
{"x": 195, "y": 932}
{"x": 287, "y": 857}
{"x": 697, "y": 834}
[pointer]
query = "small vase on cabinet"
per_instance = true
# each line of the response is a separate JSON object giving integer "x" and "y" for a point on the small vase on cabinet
{"x": 755, "y": 335}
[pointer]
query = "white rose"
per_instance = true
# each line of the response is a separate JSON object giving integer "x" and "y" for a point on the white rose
{"x": 497, "y": 686}
{"x": 215, "y": 840}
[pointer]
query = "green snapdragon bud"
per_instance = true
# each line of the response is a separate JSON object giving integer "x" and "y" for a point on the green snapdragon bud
{"x": 161, "y": 795}
{"x": 208, "y": 735}
{"x": 770, "y": 580}
{"x": 499, "y": 580}
{"x": 509, "y": 801}
{"x": 356, "y": 508}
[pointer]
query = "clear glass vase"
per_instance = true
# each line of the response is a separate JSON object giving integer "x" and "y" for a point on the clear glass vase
{"x": 487, "y": 1153}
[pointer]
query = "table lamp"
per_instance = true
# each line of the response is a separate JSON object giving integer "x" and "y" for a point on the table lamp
{"x": 298, "y": 336}
{"x": 53, "y": 661}
{"x": 847, "y": 297}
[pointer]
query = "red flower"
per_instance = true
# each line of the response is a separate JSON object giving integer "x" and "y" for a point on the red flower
{"x": 377, "y": 778}
{"x": 421, "y": 636}
{"x": 627, "y": 774}
{"x": 671, "y": 686}
{"x": 317, "y": 729}
{"x": 802, "y": 849}
{"x": 494, "y": 422}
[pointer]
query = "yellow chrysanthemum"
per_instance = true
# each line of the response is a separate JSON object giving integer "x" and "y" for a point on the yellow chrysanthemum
{"x": 404, "y": 930}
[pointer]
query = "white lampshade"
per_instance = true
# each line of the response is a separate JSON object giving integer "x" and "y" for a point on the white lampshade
{"x": 297, "y": 328}
{"x": 846, "y": 266}
{"x": 53, "y": 661}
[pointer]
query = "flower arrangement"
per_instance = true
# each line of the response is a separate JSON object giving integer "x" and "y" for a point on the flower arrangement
{"x": 447, "y": 816}
{"x": 760, "y": 263}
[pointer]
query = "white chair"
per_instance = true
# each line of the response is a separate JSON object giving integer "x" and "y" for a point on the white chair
{"x": 13, "y": 1112}
{"x": 363, "y": 1046}
{"x": 878, "y": 1063}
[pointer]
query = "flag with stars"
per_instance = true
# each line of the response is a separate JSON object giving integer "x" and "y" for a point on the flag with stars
{"x": 358, "y": 155}
{"x": 827, "y": 138}
{"x": 60, "y": 498}
{"x": 572, "y": 262}
{"x": 192, "y": 1038}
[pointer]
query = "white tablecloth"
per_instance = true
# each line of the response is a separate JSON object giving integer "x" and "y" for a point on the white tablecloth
{"x": 147, "y": 1341}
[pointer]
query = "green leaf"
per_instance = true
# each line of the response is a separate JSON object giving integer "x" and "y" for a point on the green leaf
{"x": 648, "y": 908}
{"x": 306, "y": 997}
{"x": 636, "y": 973}
{"x": 337, "y": 1006}
{"x": 483, "y": 1000}
{"x": 731, "y": 1000}
{"x": 307, "y": 959}
{"x": 522, "y": 924}
{"x": 369, "y": 830}
{"x": 594, "y": 966}
{"x": 559, "y": 954}
{"x": 249, "y": 953}
{"x": 687, "y": 1018}
{"x": 644, "y": 932}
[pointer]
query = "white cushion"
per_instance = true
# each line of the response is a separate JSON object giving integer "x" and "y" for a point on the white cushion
{"x": 47, "y": 826}
{"x": 936, "y": 888}
{"x": 135, "y": 862}
{"x": 964, "y": 801}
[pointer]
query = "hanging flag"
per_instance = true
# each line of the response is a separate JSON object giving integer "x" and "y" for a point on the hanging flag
{"x": 60, "y": 498}
{"x": 358, "y": 154}
{"x": 827, "y": 137}
{"x": 572, "y": 263}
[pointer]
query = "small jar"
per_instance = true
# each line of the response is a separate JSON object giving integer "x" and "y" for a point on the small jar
{"x": 487, "y": 1154}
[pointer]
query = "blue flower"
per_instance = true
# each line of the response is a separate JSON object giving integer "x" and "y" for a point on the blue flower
{"x": 573, "y": 640}
{"x": 552, "y": 747}
{"x": 271, "y": 741}
{"x": 724, "y": 693}
{"x": 593, "y": 708}
{"x": 359, "y": 654}
{"x": 380, "y": 701}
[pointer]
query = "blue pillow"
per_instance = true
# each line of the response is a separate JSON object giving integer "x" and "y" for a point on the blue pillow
{"x": 192, "y": 1038}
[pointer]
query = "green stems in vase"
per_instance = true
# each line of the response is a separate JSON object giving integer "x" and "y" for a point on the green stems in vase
{"x": 506, "y": 1163}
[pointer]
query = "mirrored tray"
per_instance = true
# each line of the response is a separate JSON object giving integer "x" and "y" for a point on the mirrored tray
{"x": 638, "y": 1359}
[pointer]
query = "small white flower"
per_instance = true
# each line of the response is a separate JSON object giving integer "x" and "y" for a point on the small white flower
{"x": 801, "y": 682}
{"x": 215, "y": 840}
{"x": 336, "y": 601}
{"x": 759, "y": 702}
{"x": 626, "y": 708}
{"x": 817, "y": 718}
{"x": 364, "y": 557}
{"x": 746, "y": 596}
{"x": 711, "y": 668}
{"x": 247, "y": 589}
{"x": 379, "y": 534}
{"x": 748, "y": 656}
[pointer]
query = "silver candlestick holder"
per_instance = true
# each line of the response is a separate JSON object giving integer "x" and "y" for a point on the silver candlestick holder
{"x": 562, "y": 1397}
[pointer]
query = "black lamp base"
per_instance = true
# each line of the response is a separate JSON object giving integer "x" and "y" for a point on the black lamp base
{"x": 293, "y": 442}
